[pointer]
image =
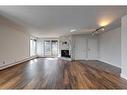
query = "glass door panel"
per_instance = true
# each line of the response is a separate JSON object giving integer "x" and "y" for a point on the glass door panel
{"x": 47, "y": 48}
{"x": 51, "y": 48}
{"x": 54, "y": 47}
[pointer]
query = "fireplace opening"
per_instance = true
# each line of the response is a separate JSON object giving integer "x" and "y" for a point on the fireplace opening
{"x": 65, "y": 53}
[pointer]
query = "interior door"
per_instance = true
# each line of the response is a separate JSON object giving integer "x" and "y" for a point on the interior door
{"x": 80, "y": 48}
{"x": 92, "y": 49}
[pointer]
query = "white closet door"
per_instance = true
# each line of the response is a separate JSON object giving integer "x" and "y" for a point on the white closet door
{"x": 80, "y": 48}
{"x": 92, "y": 49}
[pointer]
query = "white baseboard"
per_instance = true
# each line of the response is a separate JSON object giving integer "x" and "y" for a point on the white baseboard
{"x": 123, "y": 76}
{"x": 109, "y": 63}
{"x": 18, "y": 62}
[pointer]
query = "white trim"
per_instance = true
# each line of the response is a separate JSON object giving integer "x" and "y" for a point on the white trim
{"x": 18, "y": 62}
{"x": 108, "y": 62}
{"x": 64, "y": 58}
{"x": 123, "y": 76}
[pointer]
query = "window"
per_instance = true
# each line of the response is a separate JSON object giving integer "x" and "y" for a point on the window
{"x": 32, "y": 47}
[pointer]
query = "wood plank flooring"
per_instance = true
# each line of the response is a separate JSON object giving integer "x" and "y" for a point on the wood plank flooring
{"x": 103, "y": 66}
{"x": 53, "y": 73}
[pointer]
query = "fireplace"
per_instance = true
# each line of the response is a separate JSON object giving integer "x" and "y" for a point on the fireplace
{"x": 65, "y": 53}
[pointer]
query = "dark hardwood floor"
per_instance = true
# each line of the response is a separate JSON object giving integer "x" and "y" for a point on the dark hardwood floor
{"x": 53, "y": 73}
{"x": 103, "y": 66}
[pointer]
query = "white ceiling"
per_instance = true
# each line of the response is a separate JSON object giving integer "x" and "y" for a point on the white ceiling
{"x": 54, "y": 21}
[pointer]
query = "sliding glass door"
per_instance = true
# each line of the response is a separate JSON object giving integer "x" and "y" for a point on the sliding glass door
{"x": 54, "y": 47}
{"x": 47, "y": 48}
{"x": 50, "y": 48}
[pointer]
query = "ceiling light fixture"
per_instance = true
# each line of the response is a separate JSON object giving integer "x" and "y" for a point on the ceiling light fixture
{"x": 98, "y": 30}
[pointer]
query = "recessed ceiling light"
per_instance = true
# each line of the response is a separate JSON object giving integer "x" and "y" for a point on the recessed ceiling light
{"x": 72, "y": 30}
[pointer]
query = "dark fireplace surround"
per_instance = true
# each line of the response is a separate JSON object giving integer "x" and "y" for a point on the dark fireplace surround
{"x": 65, "y": 53}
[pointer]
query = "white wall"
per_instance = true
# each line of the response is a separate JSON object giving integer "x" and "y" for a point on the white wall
{"x": 110, "y": 47}
{"x": 124, "y": 47}
{"x": 14, "y": 42}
